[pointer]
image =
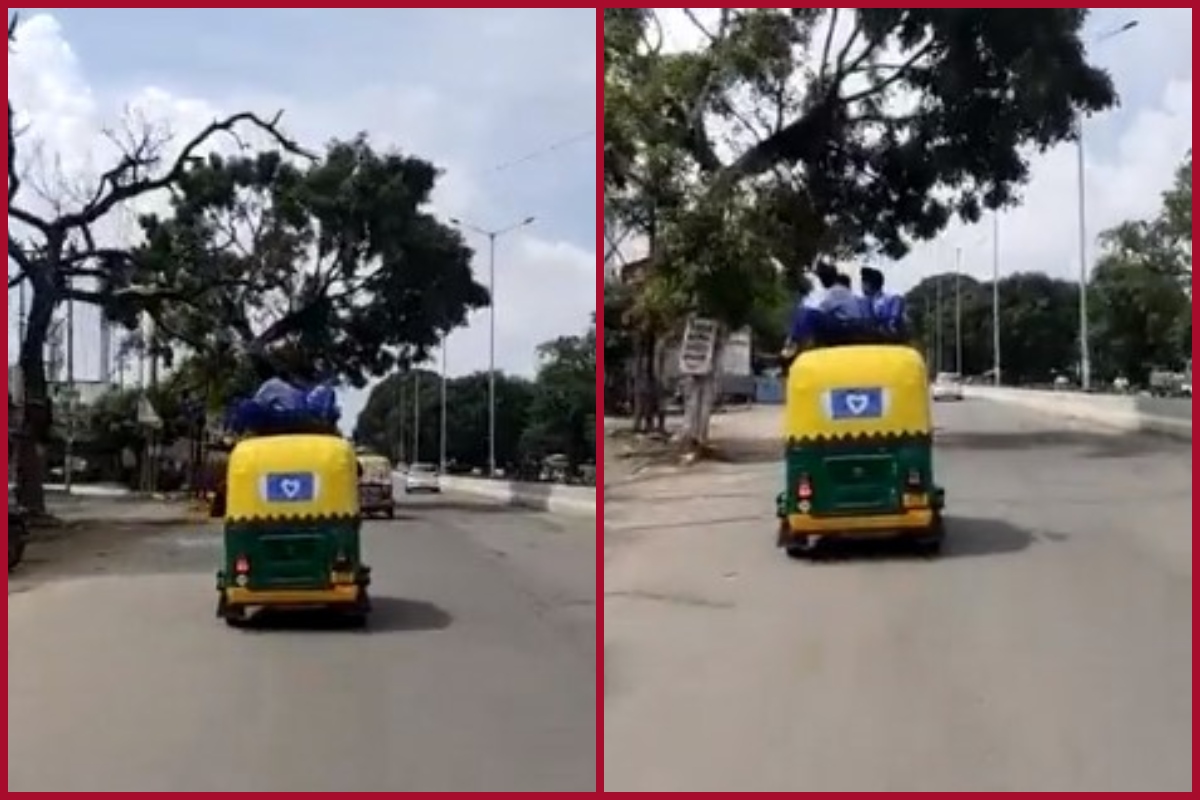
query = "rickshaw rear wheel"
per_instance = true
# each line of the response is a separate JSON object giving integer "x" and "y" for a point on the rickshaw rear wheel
{"x": 358, "y": 614}
{"x": 799, "y": 552}
{"x": 930, "y": 545}
{"x": 234, "y": 616}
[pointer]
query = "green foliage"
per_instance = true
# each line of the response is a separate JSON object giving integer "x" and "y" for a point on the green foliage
{"x": 768, "y": 145}
{"x": 1139, "y": 304}
{"x": 1039, "y": 325}
{"x": 390, "y": 424}
{"x": 1140, "y": 299}
{"x": 555, "y": 414}
{"x": 329, "y": 269}
{"x": 562, "y": 415}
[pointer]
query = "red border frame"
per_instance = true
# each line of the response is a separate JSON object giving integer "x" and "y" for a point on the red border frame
{"x": 599, "y": 406}
{"x": 600, "y": 400}
{"x": 1017, "y": 4}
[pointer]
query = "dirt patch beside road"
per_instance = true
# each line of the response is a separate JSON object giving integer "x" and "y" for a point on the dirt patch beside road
{"x": 86, "y": 536}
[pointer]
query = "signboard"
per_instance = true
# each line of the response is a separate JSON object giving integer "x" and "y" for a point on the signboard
{"x": 696, "y": 350}
{"x": 146, "y": 415}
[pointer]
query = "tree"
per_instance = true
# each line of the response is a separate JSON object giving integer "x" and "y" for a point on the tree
{"x": 1039, "y": 325}
{"x": 334, "y": 269}
{"x": 618, "y": 350}
{"x": 562, "y": 414}
{"x": 388, "y": 421}
{"x": 1141, "y": 288}
{"x": 56, "y": 252}
{"x": 797, "y": 132}
{"x": 1177, "y": 210}
{"x": 1139, "y": 318}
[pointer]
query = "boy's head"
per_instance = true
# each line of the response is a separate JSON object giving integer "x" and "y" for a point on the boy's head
{"x": 827, "y": 274}
{"x": 872, "y": 280}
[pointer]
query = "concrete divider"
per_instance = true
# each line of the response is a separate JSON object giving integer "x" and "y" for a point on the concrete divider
{"x": 556, "y": 499}
{"x": 1169, "y": 417}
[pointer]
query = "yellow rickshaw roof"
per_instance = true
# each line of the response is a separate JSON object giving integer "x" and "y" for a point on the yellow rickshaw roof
{"x": 820, "y": 380}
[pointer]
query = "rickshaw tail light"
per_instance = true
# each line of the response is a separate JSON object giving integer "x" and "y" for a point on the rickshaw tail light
{"x": 242, "y": 565}
{"x": 804, "y": 491}
{"x": 914, "y": 479}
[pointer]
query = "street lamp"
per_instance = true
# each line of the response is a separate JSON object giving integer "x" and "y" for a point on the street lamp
{"x": 1085, "y": 349}
{"x": 996, "y": 297}
{"x": 442, "y": 432}
{"x": 492, "y": 235}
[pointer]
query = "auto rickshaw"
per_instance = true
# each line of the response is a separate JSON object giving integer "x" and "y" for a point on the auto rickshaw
{"x": 376, "y": 485}
{"x": 292, "y": 528}
{"x": 858, "y": 449}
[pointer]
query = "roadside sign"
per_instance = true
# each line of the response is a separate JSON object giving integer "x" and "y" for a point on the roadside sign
{"x": 146, "y": 415}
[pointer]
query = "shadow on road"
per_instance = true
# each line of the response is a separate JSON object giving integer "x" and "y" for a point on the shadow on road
{"x": 389, "y": 615}
{"x": 746, "y": 450}
{"x": 969, "y": 537}
{"x": 966, "y": 537}
{"x": 412, "y": 510}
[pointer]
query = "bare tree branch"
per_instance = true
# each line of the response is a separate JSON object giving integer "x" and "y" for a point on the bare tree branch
{"x": 120, "y": 190}
{"x": 713, "y": 38}
{"x": 902, "y": 72}
{"x": 822, "y": 72}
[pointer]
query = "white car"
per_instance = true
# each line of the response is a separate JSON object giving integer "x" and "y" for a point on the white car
{"x": 947, "y": 386}
{"x": 422, "y": 478}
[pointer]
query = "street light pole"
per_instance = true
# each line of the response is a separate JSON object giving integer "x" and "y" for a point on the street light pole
{"x": 1085, "y": 354}
{"x": 996, "y": 298}
{"x": 492, "y": 236}
{"x": 442, "y": 434}
{"x": 492, "y": 354}
{"x": 958, "y": 341}
{"x": 416, "y": 416}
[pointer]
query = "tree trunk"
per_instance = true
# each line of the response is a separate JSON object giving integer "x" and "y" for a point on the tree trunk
{"x": 37, "y": 417}
{"x": 644, "y": 382}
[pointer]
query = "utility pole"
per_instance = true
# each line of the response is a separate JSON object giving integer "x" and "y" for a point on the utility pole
{"x": 958, "y": 341}
{"x": 937, "y": 336}
{"x": 416, "y": 416}
{"x": 996, "y": 298}
{"x": 1085, "y": 349}
{"x": 442, "y": 432}
{"x": 492, "y": 236}
{"x": 71, "y": 405}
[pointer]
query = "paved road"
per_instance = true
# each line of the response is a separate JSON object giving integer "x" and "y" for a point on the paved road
{"x": 478, "y": 673}
{"x": 1050, "y": 649}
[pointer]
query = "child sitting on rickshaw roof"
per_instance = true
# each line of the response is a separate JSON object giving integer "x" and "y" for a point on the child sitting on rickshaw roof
{"x": 841, "y": 317}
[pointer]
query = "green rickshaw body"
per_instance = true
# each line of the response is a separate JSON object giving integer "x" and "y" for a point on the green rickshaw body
{"x": 292, "y": 526}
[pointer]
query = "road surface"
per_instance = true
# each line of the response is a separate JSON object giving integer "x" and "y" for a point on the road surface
{"x": 1048, "y": 650}
{"x": 478, "y": 673}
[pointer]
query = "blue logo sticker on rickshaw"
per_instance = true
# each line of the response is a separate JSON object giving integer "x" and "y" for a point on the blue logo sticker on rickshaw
{"x": 864, "y": 403}
{"x": 290, "y": 487}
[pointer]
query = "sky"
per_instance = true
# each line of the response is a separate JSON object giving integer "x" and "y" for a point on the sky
{"x": 1131, "y": 154}
{"x": 472, "y": 90}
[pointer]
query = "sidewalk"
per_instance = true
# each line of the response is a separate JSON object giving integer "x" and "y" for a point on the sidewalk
{"x": 74, "y": 510}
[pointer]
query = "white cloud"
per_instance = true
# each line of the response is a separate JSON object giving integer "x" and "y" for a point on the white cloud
{"x": 545, "y": 285}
